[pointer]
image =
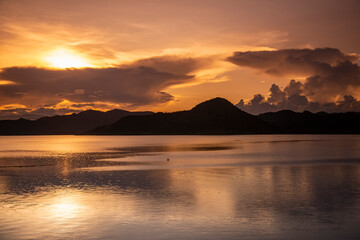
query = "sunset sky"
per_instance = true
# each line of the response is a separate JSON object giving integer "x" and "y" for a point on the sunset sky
{"x": 60, "y": 56}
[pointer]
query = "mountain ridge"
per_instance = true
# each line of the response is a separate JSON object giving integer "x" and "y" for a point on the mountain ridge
{"x": 75, "y": 123}
{"x": 216, "y": 116}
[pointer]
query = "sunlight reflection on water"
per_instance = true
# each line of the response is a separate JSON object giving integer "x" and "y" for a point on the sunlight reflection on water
{"x": 212, "y": 187}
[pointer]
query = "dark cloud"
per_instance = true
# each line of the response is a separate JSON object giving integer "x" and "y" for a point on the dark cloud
{"x": 292, "y": 61}
{"x": 341, "y": 79}
{"x": 138, "y": 83}
{"x": 256, "y": 105}
{"x": 330, "y": 73}
{"x": 173, "y": 64}
{"x": 277, "y": 95}
{"x": 292, "y": 98}
{"x": 133, "y": 85}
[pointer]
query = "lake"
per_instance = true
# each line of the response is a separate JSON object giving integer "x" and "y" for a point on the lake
{"x": 180, "y": 187}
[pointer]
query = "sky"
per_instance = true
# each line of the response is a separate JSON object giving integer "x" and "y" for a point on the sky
{"x": 60, "y": 57}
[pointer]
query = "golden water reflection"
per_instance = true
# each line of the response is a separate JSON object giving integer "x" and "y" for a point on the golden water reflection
{"x": 261, "y": 200}
{"x": 192, "y": 196}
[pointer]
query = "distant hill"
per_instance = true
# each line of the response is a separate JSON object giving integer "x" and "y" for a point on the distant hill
{"x": 216, "y": 116}
{"x": 306, "y": 122}
{"x": 67, "y": 124}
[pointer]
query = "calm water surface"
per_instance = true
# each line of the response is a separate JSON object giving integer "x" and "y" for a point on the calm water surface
{"x": 180, "y": 187}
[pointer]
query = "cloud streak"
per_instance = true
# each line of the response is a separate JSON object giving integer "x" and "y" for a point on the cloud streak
{"x": 174, "y": 64}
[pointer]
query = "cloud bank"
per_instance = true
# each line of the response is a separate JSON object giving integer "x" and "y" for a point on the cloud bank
{"x": 13, "y": 113}
{"x": 141, "y": 83}
{"x": 137, "y": 86}
{"x": 330, "y": 76}
{"x": 292, "y": 98}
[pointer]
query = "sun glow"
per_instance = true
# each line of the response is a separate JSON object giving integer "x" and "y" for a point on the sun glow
{"x": 63, "y": 58}
{"x": 5, "y": 82}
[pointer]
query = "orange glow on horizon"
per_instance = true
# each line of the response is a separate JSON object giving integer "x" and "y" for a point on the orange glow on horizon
{"x": 6, "y": 82}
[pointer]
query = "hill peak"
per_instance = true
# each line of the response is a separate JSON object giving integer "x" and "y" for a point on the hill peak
{"x": 214, "y": 104}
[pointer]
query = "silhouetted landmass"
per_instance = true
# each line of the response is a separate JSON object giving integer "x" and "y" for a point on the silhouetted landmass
{"x": 67, "y": 124}
{"x": 216, "y": 116}
{"x": 306, "y": 122}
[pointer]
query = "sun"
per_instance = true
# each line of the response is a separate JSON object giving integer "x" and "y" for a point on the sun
{"x": 63, "y": 58}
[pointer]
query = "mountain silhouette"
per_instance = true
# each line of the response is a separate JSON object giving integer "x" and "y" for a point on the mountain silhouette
{"x": 306, "y": 122}
{"x": 215, "y": 116}
{"x": 66, "y": 124}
